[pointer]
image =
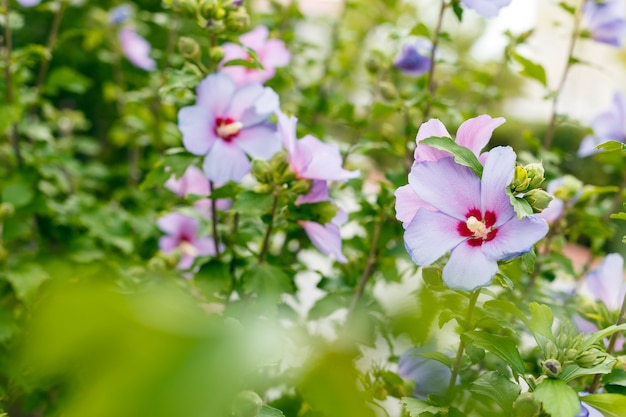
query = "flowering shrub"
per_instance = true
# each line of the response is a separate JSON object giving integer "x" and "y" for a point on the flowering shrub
{"x": 255, "y": 209}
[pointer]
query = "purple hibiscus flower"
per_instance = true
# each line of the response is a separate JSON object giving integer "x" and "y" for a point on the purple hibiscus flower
{"x": 605, "y": 21}
{"x": 414, "y": 59}
{"x": 608, "y": 125}
{"x": 430, "y": 376}
{"x": 272, "y": 54}
{"x": 226, "y": 123}
{"x": 136, "y": 49}
{"x": 588, "y": 411}
{"x": 181, "y": 234}
{"x": 193, "y": 181}
{"x": 120, "y": 14}
{"x": 474, "y": 219}
{"x": 486, "y": 8}
{"x": 473, "y": 134}
{"x": 29, "y": 3}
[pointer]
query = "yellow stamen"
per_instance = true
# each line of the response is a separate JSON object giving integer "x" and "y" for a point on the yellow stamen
{"x": 188, "y": 249}
{"x": 229, "y": 129}
{"x": 477, "y": 227}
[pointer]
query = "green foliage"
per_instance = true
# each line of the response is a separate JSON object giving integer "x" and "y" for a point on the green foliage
{"x": 557, "y": 398}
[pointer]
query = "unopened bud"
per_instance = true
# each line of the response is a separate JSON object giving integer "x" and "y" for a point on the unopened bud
{"x": 551, "y": 351}
{"x": 156, "y": 264}
{"x": 189, "y": 48}
{"x": 220, "y": 13}
{"x": 372, "y": 64}
{"x": 520, "y": 180}
{"x": 569, "y": 188}
{"x": 551, "y": 367}
{"x": 7, "y": 210}
{"x": 207, "y": 8}
{"x": 526, "y": 406}
{"x": 301, "y": 186}
{"x": 590, "y": 358}
{"x": 261, "y": 171}
{"x": 188, "y": 8}
{"x": 388, "y": 90}
{"x": 571, "y": 354}
{"x": 238, "y": 20}
{"x": 279, "y": 164}
{"x": 535, "y": 174}
{"x": 247, "y": 404}
{"x": 538, "y": 199}
{"x": 216, "y": 53}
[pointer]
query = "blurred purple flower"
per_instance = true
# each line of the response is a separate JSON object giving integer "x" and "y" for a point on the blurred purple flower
{"x": 120, "y": 14}
{"x": 226, "y": 123}
{"x": 325, "y": 237}
{"x": 605, "y": 21}
{"x": 136, "y": 49}
{"x": 557, "y": 206}
{"x": 181, "y": 234}
{"x": 430, "y": 376}
{"x": 588, "y": 411}
{"x": 474, "y": 220}
{"x": 414, "y": 59}
{"x": 608, "y": 125}
{"x": 193, "y": 181}
{"x": 473, "y": 134}
{"x": 309, "y": 157}
{"x": 29, "y": 3}
{"x": 486, "y": 8}
{"x": 272, "y": 54}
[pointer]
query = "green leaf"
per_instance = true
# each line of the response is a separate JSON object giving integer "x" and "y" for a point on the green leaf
{"x": 619, "y": 216}
{"x": 19, "y": 194}
{"x": 462, "y": 155}
{"x": 322, "y": 212}
{"x": 26, "y": 279}
{"x": 611, "y": 146}
{"x": 522, "y": 207}
{"x": 594, "y": 338}
{"x": 541, "y": 320}
{"x": 502, "y": 346}
{"x": 610, "y": 405}
{"x": 328, "y": 304}
{"x": 420, "y": 30}
{"x": 437, "y": 356}
{"x": 270, "y": 412}
{"x": 458, "y": 10}
{"x": 572, "y": 372}
{"x": 417, "y": 407}
{"x": 531, "y": 69}
{"x": 68, "y": 79}
{"x": 251, "y": 202}
{"x": 508, "y": 307}
{"x": 498, "y": 388}
{"x": 267, "y": 281}
{"x": 243, "y": 63}
{"x": 617, "y": 377}
{"x": 558, "y": 398}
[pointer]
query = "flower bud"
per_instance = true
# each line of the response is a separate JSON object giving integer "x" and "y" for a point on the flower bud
{"x": 188, "y": 8}
{"x": 207, "y": 8}
{"x": 216, "y": 53}
{"x": 189, "y": 48}
{"x": 6, "y": 211}
{"x": 568, "y": 190}
{"x": 388, "y": 90}
{"x": 261, "y": 171}
{"x": 535, "y": 174}
{"x": 526, "y": 406}
{"x": 301, "y": 186}
{"x": 551, "y": 351}
{"x": 571, "y": 354}
{"x": 279, "y": 165}
{"x": 538, "y": 199}
{"x": 156, "y": 264}
{"x": 520, "y": 180}
{"x": 372, "y": 64}
{"x": 238, "y": 20}
{"x": 551, "y": 367}
{"x": 590, "y": 358}
{"x": 247, "y": 404}
{"x": 220, "y": 13}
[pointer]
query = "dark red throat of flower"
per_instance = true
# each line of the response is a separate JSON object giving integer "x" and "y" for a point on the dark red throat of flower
{"x": 227, "y": 128}
{"x": 478, "y": 228}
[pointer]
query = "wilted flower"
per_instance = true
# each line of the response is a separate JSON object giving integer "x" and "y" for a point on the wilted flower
{"x": 474, "y": 134}
{"x": 226, "y": 123}
{"x": 29, "y": 3}
{"x": 325, "y": 237}
{"x": 271, "y": 53}
{"x": 414, "y": 59}
{"x": 430, "y": 376}
{"x": 193, "y": 181}
{"x": 120, "y": 14}
{"x": 609, "y": 125}
{"x": 309, "y": 157}
{"x": 473, "y": 219}
{"x": 486, "y": 8}
{"x": 136, "y": 49}
{"x": 605, "y": 21}
{"x": 181, "y": 234}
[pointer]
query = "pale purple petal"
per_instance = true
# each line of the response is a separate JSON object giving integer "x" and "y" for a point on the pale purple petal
{"x": 192, "y": 181}
{"x": 497, "y": 175}
{"x": 168, "y": 243}
{"x": 253, "y": 104}
{"x": 186, "y": 261}
{"x": 553, "y": 211}
{"x": 326, "y": 162}
{"x": 260, "y": 141}
{"x": 606, "y": 282}
{"x": 205, "y": 246}
{"x": 340, "y": 218}
{"x": 197, "y": 126}
{"x": 583, "y": 325}
{"x": 407, "y": 204}
{"x": 605, "y": 21}
{"x": 486, "y": 8}
{"x": 118, "y": 14}
{"x": 274, "y": 54}
{"x": 588, "y": 146}
{"x": 414, "y": 59}
{"x": 214, "y": 93}
{"x": 255, "y": 39}
{"x": 325, "y": 237}
{"x": 136, "y": 49}
{"x": 475, "y": 133}
{"x": 430, "y": 235}
{"x": 430, "y": 376}
{"x": 29, "y": 3}
{"x": 468, "y": 268}
{"x": 447, "y": 186}
{"x": 591, "y": 412}
{"x": 431, "y": 128}
{"x": 174, "y": 223}
{"x": 514, "y": 238}
{"x": 226, "y": 162}
{"x": 318, "y": 193}
{"x": 287, "y": 130}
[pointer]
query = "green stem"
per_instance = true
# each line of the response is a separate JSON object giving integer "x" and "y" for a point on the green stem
{"x": 8, "y": 76}
{"x": 216, "y": 238}
{"x": 270, "y": 226}
{"x": 52, "y": 38}
{"x": 459, "y": 353}
{"x": 547, "y": 140}
{"x": 369, "y": 268}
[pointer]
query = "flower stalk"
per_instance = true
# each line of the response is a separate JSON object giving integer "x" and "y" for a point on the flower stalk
{"x": 270, "y": 226}
{"x": 8, "y": 76}
{"x": 50, "y": 44}
{"x": 216, "y": 238}
{"x": 369, "y": 268}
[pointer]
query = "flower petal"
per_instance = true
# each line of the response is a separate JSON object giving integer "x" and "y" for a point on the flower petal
{"x": 214, "y": 93}
{"x": 225, "y": 162}
{"x": 431, "y": 128}
{"x": 468, "y": 268}
{"x": 515, "y": 238}
{"x": 255, "y": 39}
{"x": 325, "y": 237}
{"x": 136, "y": 49}
{"x": 168, "y": 243}
{"x": 497, "y": 175}
{"x": 192, "y": 181}
{"x": 253, "y": 104}
{"x": 260, "y": 141}
{"x": 430, "y": 235}
{"x": 606, "y": 281}
{"x": 430, "y": 376}
{"x": 325, "y": 163}
{"x": 451, "y": 188}
{"x": 407, "y": 204}
{"x": 274, "y": 54}
{"x": 196, "y": 125}
{"x": 172, "y": 223}
{"x": 475, "y": 133}
{"x": 318, "y": 193}
{"x": 205, "y": 246}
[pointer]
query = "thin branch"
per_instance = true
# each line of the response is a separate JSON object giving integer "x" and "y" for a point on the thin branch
{"x": 369, "y": 268}
{"x": 52, "y": 38}
{"x": 216, "y": 238}
{"x": 268, "y": 232}
{"x": 8, "y": 76}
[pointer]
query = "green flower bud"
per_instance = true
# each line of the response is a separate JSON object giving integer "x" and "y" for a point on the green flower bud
{"x": 156, "y": 264}
{"x": 187, "y": 8}
{"x": 388, "y": 90}
{"x": 6, "y": 211}
{"x": 551, "y": 367}
{"x": 301, "y": 186}
{"x": 570, "y": 187}
{"x": 372, "y": 64}
{"x": 216, "y": 53}
{"x": 238, "y": 20}
{"x": 563, "y": 338}
{"x": 261, "y": 171}
{"x": 571, "y": 354}
{"x": 279, "y": 165}
{"x": 247, "y": 404}
{"x": 207, "y": 8}
{"x": 538, "y": 199}
{"x": 551, "y": 351}
{"x": 189, "y": 48}
{"x": 535, "y": 174}
{"x": 220, "y": 13}
{"x": 263, "y": 188}
{"x": 590, "y": 358}
{"x": 520, "y": 180}
{"x": 526, "y": 406}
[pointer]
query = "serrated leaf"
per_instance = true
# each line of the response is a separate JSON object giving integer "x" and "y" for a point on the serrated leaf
{"x": 502, "y": 346}
{"x": 522, "y": 207}
{"x": 328, "y": 304}
{"x": 462, "y": 155}
{"x": 558, "y": 398}
{"x": 267, "y": 281}
{"x": 417, "y": 407}
{"x": 497, "y": 387}
{"x": 541, "y": 320}
{"x": 531, "y": 69}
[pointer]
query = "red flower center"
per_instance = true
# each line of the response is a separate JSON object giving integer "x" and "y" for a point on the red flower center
{"x": 478, "y": 228}
{"x": 227, "y": 128}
